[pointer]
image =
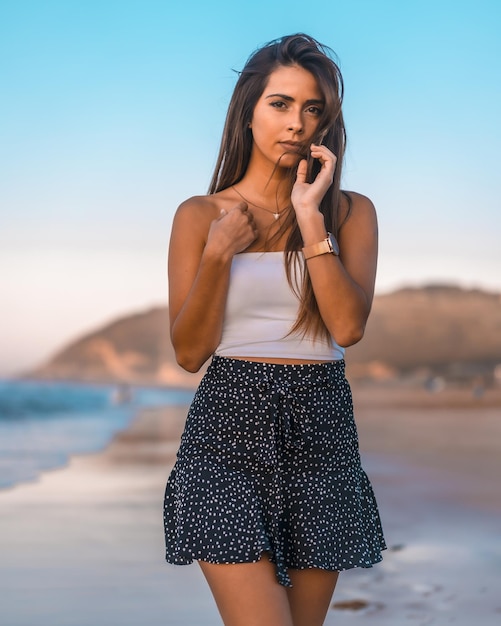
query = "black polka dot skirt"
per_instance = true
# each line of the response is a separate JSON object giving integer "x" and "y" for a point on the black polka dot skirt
{"x": 269, "y": 462}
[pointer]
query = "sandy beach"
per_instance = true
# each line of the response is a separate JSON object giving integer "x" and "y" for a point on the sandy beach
{"x": 84, "y": 544}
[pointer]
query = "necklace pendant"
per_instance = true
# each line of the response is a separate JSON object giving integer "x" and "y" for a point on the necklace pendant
{"x": 276, "y": 215}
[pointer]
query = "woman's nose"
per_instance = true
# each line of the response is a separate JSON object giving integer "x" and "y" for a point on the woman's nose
{"x": 296, "y": 123}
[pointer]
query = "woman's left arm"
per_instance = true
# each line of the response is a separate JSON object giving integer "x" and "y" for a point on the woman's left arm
{"x": 344, "y": 284}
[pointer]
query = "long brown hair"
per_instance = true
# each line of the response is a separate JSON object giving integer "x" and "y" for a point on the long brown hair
{"x": 236, "y": 146}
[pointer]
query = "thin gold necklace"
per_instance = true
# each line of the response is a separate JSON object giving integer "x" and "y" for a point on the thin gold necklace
{"x": 276, "y": 214}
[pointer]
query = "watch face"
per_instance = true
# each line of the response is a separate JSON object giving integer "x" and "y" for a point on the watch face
{"x": 333, "y": 244}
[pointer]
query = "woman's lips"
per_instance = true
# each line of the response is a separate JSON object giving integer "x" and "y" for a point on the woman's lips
{"x": 290, "y": 146}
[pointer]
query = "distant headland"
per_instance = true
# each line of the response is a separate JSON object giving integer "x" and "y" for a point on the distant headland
{"x": 437, "y": 332}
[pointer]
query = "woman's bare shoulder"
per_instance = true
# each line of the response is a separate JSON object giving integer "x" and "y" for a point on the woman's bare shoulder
{"x": 192, "y": 221}
{"x": 198, "y": 207}
{"x": 357, "y": 201}
{"x": 355, "y": 206}
{"x": 205, "y": 207}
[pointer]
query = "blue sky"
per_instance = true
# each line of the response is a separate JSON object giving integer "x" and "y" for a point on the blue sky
{"x": 111, "y": 114}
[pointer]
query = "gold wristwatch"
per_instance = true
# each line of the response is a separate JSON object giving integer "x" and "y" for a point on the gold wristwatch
{"x": 328, "y": 245}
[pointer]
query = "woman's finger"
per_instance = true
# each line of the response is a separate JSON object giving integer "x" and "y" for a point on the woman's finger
{"x": 325, "y": 159}
{"x": 301, "y": 171}
{"x": 322, "y": 149}
{"x": 322, "y": 152}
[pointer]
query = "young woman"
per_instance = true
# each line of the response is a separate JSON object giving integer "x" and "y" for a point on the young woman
{"x": 272, "y": 274}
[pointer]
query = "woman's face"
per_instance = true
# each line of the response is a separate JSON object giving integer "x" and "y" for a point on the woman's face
{"x": 286, "y": 116}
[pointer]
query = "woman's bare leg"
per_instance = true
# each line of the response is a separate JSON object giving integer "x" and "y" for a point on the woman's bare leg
{"x": 248, "y": 594}
{"x": 310, "y": 596}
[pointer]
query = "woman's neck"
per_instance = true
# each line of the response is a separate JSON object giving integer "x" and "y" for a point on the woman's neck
{"x": 267, "y": 187}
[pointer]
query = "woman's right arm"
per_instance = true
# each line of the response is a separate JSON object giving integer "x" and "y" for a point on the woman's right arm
{"x": 200, "y": 254}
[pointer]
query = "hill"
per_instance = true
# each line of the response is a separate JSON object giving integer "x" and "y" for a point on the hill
{"x": 441, "y": 329}
{"x": 430, "y": 331}
{"x": 134, "y": 349}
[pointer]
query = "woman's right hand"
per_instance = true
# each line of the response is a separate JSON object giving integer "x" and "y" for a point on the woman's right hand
{"x": 233, "y": 231}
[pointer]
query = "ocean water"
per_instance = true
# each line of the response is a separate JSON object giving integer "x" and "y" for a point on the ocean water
{"x": 43, "y": 423}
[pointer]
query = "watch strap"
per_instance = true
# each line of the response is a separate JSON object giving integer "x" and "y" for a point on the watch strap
{"x": 317, "y": 249}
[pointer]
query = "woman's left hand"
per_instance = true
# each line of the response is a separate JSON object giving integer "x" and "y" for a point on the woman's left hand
{"x": 307, "y": 196}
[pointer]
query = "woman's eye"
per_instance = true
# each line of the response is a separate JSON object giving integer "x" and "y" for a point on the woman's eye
{"x": 314, "y": 110}
{"x": 278, "y": 104}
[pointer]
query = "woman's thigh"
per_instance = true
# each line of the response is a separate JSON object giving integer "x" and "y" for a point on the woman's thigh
{"x": 248, "y": 594}
{"x": 310, "y": 596}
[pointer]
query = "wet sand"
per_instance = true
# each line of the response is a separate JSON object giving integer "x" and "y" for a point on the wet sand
{"x": 84, "y": 544}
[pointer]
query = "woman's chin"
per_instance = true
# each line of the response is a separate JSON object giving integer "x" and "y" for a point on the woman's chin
{"x": 288, "y": 160}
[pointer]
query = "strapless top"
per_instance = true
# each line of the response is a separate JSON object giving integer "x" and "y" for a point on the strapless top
{"x": 261, "y": 309}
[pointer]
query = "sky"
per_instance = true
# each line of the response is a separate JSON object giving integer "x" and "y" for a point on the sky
{"x": 111, "y": 114}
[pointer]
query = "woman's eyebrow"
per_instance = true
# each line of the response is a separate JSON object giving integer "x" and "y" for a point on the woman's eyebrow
{"x": 281, "y": 95}
{"x": 291, "y": 99}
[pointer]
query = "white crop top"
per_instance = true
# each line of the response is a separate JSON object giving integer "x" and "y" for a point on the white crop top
{"x": 261, "y": 309}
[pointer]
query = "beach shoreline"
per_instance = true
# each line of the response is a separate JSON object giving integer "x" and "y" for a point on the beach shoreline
{"x": 93, "y": 529}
